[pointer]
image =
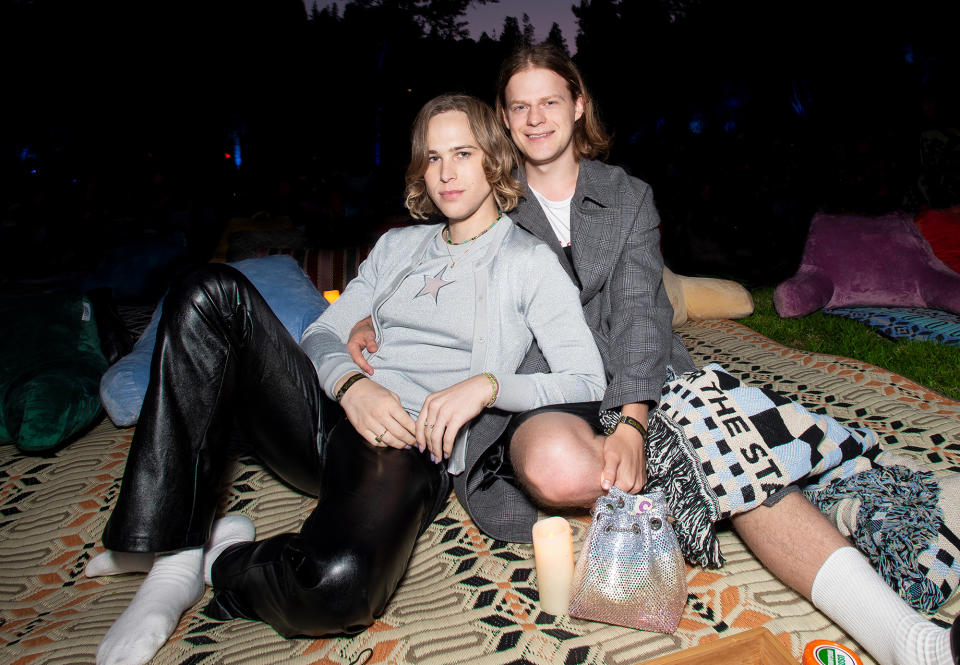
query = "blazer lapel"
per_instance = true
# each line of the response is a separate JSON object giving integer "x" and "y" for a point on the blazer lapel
{"x": 594, "y": 230}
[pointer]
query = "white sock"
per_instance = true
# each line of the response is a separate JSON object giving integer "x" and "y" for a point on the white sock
{"x": 174, "y": 583}
{"x": 849, "y": 591}
{"x": 226, "y": 531}
{"x": 115, "y": 563}
{"x": 923, "y": 642}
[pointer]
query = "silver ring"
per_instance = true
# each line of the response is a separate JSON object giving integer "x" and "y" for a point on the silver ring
{"x": 430, "y": 426}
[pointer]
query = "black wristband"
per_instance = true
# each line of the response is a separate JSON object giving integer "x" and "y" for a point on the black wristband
{"x": 346, "y": 385}
{"x": 635, "y": 424}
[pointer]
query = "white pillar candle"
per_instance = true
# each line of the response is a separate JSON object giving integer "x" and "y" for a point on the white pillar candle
{"x": 553, "y": 552}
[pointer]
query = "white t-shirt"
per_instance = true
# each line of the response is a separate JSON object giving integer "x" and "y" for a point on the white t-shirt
{"x": 558, "y": 214}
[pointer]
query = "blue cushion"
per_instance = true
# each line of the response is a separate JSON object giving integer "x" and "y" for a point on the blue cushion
{"x": 281, "y": 282}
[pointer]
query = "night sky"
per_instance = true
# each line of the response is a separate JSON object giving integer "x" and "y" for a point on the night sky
{"x": 489, "y": 18}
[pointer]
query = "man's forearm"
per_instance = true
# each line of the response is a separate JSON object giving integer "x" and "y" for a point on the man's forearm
{"x": 638, "y": 410}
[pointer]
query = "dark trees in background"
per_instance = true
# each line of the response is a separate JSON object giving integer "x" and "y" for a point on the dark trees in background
{"x": 748, "y": 116}
{"x": 556, "y": 38}
{"x": 745, "y": 115}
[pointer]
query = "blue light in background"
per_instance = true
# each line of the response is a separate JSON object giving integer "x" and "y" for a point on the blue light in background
{"x": 795, "y": 102}
{"x": 908, "y": 54}
{"x": 696, "y": 123}
{"x": 237, "y": 153}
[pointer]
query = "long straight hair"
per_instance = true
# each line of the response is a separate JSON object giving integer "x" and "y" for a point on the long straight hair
{"x": 590, "y": 139}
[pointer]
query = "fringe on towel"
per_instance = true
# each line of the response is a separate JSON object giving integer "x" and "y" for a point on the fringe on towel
{"x": 898, "y": 518}
{"x": 673, "y": 468}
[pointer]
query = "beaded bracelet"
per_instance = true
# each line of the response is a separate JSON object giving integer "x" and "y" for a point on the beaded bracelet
{"x": 635, "y": 424}
{"x": 496, "y": 389}
{"x": 346, "y": 385}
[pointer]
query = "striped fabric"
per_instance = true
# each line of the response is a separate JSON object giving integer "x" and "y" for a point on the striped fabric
{"x": 906, "y": 322}
{"x": 327, "y": 268}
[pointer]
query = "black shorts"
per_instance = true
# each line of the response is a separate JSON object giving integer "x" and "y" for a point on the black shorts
{"x": 587, "y": 411}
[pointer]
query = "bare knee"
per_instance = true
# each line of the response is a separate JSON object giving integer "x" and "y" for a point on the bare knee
{"x": 558, "y": 460}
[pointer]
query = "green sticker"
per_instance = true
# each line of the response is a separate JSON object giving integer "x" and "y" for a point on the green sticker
{"x": 831, "y": 655}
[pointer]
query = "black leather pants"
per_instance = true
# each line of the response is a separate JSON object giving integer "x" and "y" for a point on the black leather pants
{"x": 222, "y": 360}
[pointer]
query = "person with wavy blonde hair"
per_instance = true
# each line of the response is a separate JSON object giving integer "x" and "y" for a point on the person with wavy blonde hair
{"x": 500, "y": 157}
{"x": 455, "y": 306}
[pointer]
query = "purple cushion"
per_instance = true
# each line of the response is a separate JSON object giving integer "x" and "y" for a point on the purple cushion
{"x": 852, "y": 260}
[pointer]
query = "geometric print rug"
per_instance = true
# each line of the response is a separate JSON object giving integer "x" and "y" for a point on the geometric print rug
{"x": 466, "y": 598}
{"x": 906, "y": 322}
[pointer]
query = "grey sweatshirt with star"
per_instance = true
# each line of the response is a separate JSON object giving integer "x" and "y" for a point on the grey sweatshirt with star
{"x": 519, "y": 292}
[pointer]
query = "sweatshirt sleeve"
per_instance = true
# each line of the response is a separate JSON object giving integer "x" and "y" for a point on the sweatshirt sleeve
{"x": 324, "y": 340}
{"x": 552, "y": 311}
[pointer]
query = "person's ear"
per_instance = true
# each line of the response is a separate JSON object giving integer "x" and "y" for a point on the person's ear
{"x": 578, "y": 108}
{"x": 503, "y": 114}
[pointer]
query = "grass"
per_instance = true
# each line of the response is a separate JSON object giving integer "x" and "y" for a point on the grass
{"x": 936, "y": 366}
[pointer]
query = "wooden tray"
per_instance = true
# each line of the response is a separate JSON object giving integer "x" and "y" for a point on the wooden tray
{"x": 753, "y": 647}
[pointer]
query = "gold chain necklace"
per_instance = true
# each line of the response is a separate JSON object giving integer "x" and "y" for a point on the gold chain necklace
{"x": 445, "y": 234}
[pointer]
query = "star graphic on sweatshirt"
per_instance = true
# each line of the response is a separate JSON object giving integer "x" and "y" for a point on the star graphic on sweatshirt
{"x": 432, "y": 285}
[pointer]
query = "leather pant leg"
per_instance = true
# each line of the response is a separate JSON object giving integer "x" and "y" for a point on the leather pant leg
{"x": 339, "y": 572}
{"x": 222, "y": 359}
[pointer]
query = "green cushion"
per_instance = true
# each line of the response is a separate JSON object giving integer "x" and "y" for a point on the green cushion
{"x": 50, "y": 369}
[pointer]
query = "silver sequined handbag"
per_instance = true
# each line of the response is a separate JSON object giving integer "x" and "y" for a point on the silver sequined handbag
{"x": 630, "y": 571}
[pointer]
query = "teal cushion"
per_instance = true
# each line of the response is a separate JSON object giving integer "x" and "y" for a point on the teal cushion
{"x": 50, "y": 369}
{"x": 281, "y": 282}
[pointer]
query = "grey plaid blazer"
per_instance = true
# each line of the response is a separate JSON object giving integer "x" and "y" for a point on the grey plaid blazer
{"x": 615, "y": 241}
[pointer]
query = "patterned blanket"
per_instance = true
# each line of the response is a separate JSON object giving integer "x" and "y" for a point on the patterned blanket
{"x": 466, "y": 598}
{"x": 719, "y": 447}
{"x": 906, "y": 322}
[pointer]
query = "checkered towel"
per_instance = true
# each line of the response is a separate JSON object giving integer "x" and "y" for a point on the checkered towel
{"x": 905, "y": 520}
{"x": 718, "y": 448}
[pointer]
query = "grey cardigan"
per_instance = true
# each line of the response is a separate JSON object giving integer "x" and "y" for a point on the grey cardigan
{"x": 521, "y": 292}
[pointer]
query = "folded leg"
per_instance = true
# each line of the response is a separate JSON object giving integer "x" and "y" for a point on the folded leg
{"x": 338, "y": 573}
{"x": 221, "y": 358}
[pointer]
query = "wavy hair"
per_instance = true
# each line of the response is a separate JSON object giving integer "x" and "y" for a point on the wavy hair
{"x": 590, "y": 139}
{"x": 499, "y": 154}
